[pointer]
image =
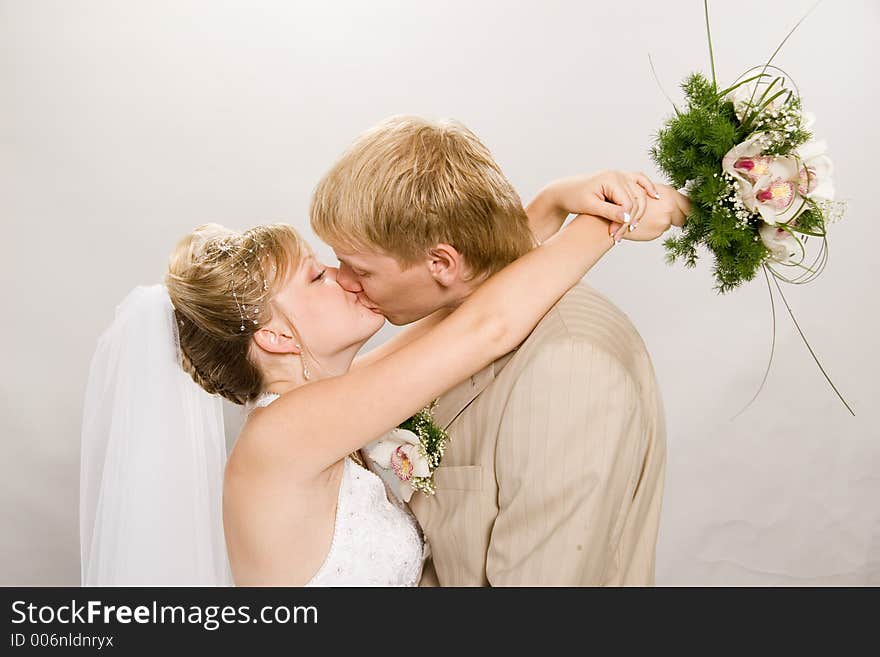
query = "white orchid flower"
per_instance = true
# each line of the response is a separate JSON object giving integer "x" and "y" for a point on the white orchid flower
{"x": 817, "y": 168}
{"x": 399, "y": 451}
{"x": 744, "y": 162}
{"x": 776, "y": 186}
{"x": 784, "y": 247}
{"x": 746, "y": 96}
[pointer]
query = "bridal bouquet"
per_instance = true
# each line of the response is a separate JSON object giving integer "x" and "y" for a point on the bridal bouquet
{"x": 759, "y": 183}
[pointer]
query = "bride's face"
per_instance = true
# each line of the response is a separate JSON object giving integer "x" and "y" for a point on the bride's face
{"x": 328, "y": 320}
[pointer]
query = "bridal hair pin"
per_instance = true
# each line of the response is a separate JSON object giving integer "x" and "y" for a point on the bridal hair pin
{"x": 233, "y": 247}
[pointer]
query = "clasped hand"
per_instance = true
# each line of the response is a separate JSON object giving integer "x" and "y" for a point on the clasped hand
{"x": 635, "y": 207}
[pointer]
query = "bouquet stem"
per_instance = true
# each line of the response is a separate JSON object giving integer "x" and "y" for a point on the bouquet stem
{"x": 812, "y": 353}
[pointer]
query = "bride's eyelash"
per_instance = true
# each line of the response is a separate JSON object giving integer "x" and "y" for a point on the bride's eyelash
{"x": 319, "y": 276}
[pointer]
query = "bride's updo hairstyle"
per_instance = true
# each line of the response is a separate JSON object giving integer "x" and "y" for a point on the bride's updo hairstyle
{"x": 220, "y": 282}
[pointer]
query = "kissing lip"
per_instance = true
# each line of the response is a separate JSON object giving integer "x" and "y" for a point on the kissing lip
{"x": 367, "y": 306}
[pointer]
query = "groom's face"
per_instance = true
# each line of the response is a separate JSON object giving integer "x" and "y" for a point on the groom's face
{"x": 402, "y": 295}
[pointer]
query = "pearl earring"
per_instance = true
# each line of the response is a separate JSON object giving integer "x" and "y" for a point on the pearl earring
{"x": 306, "y": 374}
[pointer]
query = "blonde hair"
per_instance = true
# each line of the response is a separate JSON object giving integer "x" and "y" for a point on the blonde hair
{"x": 219, "y": 282}
{"x": 409, "y": 183}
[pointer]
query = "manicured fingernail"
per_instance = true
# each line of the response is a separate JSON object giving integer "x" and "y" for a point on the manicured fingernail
{"x": 656, "y": 196}
{"x": 626, "y": 217}
{"x": 632, "y": 227}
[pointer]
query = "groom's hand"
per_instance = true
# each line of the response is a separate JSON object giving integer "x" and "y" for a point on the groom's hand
{"x": 617, "y": 196}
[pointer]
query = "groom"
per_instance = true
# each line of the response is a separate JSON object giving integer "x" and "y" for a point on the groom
{"x": 554, "y": 470}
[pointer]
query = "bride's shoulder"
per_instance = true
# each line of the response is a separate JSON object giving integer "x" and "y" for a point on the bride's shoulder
{"x": 272, "y": 439}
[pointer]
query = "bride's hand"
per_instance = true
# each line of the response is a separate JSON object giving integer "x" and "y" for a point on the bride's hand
{"x": 671, "y": 209}
{"x": 617, "y": 196}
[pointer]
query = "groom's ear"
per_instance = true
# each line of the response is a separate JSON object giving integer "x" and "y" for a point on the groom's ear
{"x": 276, "y": 342}
{"x": 446, "y": 264}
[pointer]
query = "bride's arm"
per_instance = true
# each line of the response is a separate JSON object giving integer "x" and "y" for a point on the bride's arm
{"x": 411, "y": 332}
{"x": 619, "y": 196}
{"x": 311, "y": 428}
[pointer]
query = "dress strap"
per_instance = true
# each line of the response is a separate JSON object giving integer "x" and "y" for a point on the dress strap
{"x": 263, "y": 400}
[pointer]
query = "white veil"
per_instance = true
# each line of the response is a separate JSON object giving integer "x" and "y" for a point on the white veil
{"x": 153, "y": 453}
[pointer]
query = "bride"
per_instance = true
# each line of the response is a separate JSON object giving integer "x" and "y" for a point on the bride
{"x": 254, "y": 317}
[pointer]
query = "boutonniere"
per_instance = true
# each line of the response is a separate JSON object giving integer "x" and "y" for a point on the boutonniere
{"x": 412, "y": 452}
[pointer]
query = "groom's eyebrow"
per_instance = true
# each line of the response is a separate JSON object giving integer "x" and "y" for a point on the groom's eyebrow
{"x": 344, "y": 261}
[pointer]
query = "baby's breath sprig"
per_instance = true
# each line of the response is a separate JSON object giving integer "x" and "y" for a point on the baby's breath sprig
{"x": 432, "y": 444}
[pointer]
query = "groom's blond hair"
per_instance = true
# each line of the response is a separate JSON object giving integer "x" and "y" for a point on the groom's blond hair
{"x": 408, "y": 184}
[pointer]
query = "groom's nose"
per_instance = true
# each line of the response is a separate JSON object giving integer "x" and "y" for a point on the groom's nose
{"x": 346, "y": 278}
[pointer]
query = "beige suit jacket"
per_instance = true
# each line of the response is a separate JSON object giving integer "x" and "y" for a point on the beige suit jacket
{"x": 555, "y": 468}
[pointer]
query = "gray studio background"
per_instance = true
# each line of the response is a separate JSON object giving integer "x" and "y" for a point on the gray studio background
{"x": 124, "y": 124}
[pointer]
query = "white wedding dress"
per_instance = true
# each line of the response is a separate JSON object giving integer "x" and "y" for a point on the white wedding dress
{"x": 376, "y": 540}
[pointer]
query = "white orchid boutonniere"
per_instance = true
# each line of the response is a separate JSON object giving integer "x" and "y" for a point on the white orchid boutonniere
{"x": 412, "y": 452}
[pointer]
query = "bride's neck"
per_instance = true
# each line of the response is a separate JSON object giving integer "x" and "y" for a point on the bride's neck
{"x": 288, "y": 372}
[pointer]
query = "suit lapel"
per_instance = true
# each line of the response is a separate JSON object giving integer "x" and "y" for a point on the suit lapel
{"x": 454, "y": 401}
